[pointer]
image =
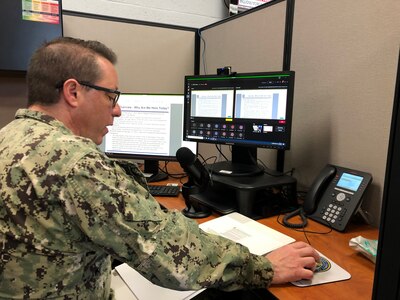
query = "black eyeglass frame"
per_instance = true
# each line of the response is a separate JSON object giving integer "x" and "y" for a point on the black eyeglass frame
{"x": 117, "y": 93}
{"x": 114, "y": 99}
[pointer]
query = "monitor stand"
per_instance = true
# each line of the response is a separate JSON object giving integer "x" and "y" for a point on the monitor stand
{"x": 244, "y": 163}
{"x": 244, "y": 186}
{"x": 152, "y": 171}
{"x": 253, "y": 196}
{"x": 233, "y": 169}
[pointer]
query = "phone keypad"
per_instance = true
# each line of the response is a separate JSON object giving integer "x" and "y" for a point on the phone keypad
{"x": 334, "y": 212}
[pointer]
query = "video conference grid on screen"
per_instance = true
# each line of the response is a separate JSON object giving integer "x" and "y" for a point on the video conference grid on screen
{"x": 244, "y": 109}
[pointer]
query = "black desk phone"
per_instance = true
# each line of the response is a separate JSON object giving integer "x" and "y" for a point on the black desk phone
{"x": 334, "y": 197}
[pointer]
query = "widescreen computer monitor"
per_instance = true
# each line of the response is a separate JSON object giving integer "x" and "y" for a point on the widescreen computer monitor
{"x": 150, "y": 128}
{"x": 247, "y": 111}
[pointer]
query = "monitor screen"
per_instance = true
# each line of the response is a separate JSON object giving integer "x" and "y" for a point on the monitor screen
{"x": 246, "y": 110}
{"x": 150, "y": 128}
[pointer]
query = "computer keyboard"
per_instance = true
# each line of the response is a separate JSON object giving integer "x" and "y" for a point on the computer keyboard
{"x": 164, "y": 190}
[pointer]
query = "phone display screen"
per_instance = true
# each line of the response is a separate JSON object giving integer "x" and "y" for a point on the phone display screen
{"x": 350, "y": 181}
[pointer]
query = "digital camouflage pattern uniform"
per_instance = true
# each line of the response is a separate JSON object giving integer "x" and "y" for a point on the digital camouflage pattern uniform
{"x": 66, "y": 209}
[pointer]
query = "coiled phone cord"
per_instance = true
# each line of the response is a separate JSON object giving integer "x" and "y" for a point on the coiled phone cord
{"x": 298, "y": 212}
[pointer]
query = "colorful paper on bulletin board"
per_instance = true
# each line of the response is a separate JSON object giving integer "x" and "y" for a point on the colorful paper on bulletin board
{"x": 46, "y": 11}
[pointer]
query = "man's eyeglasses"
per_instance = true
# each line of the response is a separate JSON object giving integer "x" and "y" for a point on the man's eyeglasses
{"x": 113, "y": 99}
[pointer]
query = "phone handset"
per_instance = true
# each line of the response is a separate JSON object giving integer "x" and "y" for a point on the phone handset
{"x": 313, "y": 196}
{"x": 318, "y": 187}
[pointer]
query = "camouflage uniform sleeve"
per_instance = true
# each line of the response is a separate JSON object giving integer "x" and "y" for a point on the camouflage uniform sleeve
{"x": 120, "y": 217}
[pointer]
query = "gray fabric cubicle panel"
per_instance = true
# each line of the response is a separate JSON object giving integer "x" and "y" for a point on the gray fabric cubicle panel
{"x": 252, "y": 42}
{"x": 248, "y": 42}
{"x": 345, "y": 57}
{"x": 151, "y": 59}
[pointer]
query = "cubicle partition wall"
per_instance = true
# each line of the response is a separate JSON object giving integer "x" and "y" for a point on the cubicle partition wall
{"x": 152, "y": 58}
{"x": 253, "y": 41}
{"x": 249, "y": 42}
{"x": 344, "y": 55}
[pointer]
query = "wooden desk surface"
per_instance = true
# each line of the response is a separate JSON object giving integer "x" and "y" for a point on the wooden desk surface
{"x": 334, "y": 245}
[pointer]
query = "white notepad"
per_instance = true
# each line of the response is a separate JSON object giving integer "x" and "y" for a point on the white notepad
{"x": 144, "y": 289}
{"x": 259, "y": 238}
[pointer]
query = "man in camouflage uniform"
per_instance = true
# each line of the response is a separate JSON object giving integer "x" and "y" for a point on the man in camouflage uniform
{"x": 66, "y": 209}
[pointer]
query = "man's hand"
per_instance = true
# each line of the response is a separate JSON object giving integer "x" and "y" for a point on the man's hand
{"x": 293, "y": 262}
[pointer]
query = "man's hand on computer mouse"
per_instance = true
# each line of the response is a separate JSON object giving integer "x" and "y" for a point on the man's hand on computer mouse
{"x": 293, "y": 262}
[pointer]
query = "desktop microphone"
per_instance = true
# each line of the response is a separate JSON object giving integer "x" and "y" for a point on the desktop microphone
{"x": 193, "y": 167}
{"x": 197, "y": 183}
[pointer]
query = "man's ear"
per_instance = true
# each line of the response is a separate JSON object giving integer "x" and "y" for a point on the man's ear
{"x": 70, "y": 92}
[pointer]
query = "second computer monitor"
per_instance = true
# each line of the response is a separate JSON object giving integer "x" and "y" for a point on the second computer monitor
{"x": 150, "y": 128}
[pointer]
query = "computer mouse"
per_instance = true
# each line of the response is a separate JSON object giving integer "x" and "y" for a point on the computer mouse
{"x": 323, "y": 265}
